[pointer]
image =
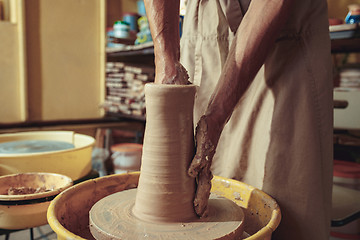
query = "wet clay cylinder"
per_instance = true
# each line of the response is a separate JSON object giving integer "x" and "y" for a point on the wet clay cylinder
{"x": 162, "y": 205}
{"x": 165, "y": 192}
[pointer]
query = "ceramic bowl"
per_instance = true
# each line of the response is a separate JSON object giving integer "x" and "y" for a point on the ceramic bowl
{"x": 24, "y": 207}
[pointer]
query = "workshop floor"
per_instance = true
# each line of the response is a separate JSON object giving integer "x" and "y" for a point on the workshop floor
{"x": 40, "y": 233}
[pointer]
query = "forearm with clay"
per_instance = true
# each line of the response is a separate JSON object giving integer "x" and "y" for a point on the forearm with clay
{"x": 164, "y": 26}
{"x": 255, "y": 36}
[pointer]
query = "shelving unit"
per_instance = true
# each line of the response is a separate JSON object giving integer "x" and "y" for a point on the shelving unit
{"x": 130, "y": 54}
{"x": 345, "y": 39}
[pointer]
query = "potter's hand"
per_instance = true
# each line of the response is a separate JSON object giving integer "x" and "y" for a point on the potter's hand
{"x": 171, "y": 73}
{"x": 200, "y": 165}
{"x": 163, "y": 16}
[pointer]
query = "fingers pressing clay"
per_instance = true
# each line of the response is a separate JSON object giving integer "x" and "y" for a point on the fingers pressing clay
{"x": 200, "y": 168}
{"x": 180, "y": 78}
{"x": 205, "y": 150}
{"x": 203, "y": 191}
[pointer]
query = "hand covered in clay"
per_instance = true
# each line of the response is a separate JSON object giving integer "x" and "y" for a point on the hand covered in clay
{"x": 171, "y": 73}
{"x": 201, "y": 163}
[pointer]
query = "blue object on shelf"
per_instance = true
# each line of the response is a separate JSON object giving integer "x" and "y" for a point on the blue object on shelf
{"x": 351, "y": 19}
{"x": 121, "y": 29}
{"x": 354, "y": 14}
{"x": 141, "y": 7}
{"x": 131, "y": 18}
{"x": 143, "y": 37}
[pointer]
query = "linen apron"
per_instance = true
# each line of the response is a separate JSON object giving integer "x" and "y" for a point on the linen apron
{"x": 279, "y": 137}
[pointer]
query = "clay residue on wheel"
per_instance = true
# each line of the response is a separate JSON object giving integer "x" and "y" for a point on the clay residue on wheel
{"x": 26, "y": 190}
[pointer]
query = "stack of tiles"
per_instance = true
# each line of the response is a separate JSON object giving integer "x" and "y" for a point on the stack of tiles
{"x": 349, "y": 80}
{"x": 125, "y": 87}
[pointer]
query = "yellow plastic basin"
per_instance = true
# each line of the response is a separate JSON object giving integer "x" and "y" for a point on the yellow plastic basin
{"x": 68, "y": 213}
{"x": 28, "y": 210}
{"x": 75, "y": 162}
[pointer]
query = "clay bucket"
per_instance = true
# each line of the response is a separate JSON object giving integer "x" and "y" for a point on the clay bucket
{"x": 166, "y": 192}
{"x": 68, "y": 213}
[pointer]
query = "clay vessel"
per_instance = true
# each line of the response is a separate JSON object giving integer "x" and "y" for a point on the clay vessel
{"x": 165, "y": 191}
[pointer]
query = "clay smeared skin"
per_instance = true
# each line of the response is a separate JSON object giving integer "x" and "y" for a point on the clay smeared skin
{"x": 200, "y": 167}
{"x": 181, "y": 77}
{"x": 164, "y": 21}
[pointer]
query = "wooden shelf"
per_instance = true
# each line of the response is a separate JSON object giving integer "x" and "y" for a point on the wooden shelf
{"x": 131, "y": 50}
{"x": 345, "y": 38}
{"x": 139, "y": 54}
{"x": 346, "y": 45}
{"x": 126, "y": 116}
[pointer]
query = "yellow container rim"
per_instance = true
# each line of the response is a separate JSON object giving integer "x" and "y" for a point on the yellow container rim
{"x": 262, "y": 234}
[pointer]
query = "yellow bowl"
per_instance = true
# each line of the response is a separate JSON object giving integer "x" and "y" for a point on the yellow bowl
{"x": 29, "y": 210}
{"x": 68, "y": 213}
{"x": 75, "y": 162}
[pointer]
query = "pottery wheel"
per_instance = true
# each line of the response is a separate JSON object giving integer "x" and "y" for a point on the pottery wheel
{"x": 112, "y": 218}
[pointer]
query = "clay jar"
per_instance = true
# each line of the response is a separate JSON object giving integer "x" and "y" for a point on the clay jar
{"x": 165, "y": 191}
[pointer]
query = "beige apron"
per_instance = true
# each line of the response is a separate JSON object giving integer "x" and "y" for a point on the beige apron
{"x": 279, "y": 138}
